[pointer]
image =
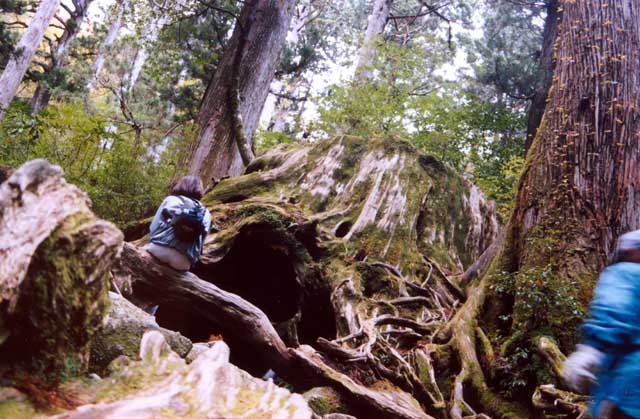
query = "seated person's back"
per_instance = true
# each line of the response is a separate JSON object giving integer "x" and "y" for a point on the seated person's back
{"x": 180, "y": 226}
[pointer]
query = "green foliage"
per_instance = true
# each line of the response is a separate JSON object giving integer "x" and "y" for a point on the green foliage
{"x": 8, "y": 34}
{"x": 544, "y": 303}
{"x": 456, "y": 127}
{"x": 264, "y": 140}
{"x": 506, "y": 57}
{"x": 118, "y": 170}
{"x": 503, "y": 185}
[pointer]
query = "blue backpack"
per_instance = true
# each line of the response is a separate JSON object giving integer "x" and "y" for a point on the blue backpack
{"x": 188, "y": 225}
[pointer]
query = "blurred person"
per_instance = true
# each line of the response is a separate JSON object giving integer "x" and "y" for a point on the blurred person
{"x": 607, "y": 362}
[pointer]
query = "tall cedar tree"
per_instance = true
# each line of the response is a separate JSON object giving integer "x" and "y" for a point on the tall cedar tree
{"x": 579, "y": 188}
{"x": 375, "y": 28}
{"x": 240, "y": 83}
{"x": 109, "y": 39}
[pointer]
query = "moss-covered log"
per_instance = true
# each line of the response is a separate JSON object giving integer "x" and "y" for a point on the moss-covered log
{"x": 55, "y": 258}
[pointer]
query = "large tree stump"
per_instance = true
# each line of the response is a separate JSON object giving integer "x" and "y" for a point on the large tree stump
{"x": 353, "y": 247}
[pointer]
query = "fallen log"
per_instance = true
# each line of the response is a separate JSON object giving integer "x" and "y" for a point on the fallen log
{"x": 234, "y": 316}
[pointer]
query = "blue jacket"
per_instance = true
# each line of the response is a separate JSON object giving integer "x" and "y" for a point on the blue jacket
{"x": 161, "y": 230}
{"x": 613, "y": 328}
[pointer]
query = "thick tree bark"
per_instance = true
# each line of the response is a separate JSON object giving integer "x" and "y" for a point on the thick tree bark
{"x": 108, "y": 40}
{"x": 262, "y": 28}
{"x": 73, "y": 25}
{"x": 375, "y": 27}
{"x": 583, "y": 164}
{"x": 546, "y": 65}
{"x": 24, "y": 52}
{"x": 578, "y": 191}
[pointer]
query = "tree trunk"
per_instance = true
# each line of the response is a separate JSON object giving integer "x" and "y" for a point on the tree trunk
{"x": 109, "y": 39}
{"x": 42, "y": 94}
{"x": 288, "y": 83}
{"x": 41, "y": 97}
{"x": 546, "y": 65}
{"x": 24, "y": 52}
{"x": 583, "y": 165}
{"x": 578, "y": 191}
{"x": 263, "y": 25}
{"x": 375, "y": 28}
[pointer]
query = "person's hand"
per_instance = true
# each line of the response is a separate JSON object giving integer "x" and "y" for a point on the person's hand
{"x": 579, "y": 370}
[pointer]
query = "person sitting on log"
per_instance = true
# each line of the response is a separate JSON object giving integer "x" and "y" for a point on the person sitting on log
{"x": 180, "y": 226}
{"x": 607, "y": 362}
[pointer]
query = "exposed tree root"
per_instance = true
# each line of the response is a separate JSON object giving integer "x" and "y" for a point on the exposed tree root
{"x": 551, "y": 353}
{"x": 232, "y": 314}
{"x": 553, "y": 400}
{"x": 375, "y": 341}
{"x": 470, "y": 382}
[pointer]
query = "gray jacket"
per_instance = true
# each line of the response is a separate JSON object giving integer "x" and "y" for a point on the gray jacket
{"x": 161, "y": 231}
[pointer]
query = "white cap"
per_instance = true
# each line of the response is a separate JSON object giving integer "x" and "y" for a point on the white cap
{"x": 629, "y": 241}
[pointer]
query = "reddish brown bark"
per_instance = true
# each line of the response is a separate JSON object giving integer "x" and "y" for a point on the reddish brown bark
{"x": 263, "y": 24}
{"x": 578, "y": 191}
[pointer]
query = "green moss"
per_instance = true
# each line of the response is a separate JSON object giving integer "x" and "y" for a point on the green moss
{"x": 237, "y": 189}
{"x": 324, "y": 400}
{"x": 374, "y": 279}
{"x": 13, "y": 409}
{"x": 59, "y": 311}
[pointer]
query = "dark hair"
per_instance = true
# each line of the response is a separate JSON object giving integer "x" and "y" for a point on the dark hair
{"x": 189, "y": 186}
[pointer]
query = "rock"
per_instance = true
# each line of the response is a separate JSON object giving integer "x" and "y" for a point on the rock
{"x": 338, "y": 416}
{"x": 124, "y": 325}
{"x": 210, "y": 386}
{"x": 197, "y": 350}
{"x": 55, "y": 258}
{"x": 324, "y": 400}
{"x": 10, "y": 393}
